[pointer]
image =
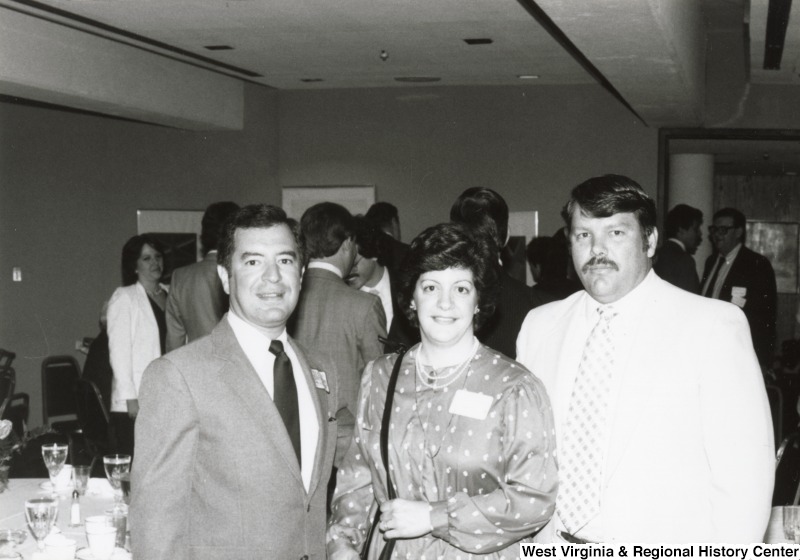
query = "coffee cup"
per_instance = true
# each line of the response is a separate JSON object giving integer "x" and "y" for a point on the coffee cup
{"x": 102, "y": 539}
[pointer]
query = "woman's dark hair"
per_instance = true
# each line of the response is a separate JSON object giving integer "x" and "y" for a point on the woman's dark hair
{"x": 131, "y": 252}
{"x": 452, "y": 246}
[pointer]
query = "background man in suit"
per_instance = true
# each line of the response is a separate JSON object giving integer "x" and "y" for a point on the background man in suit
{"x": 237, "y": 431}
{"x": 384, "y": 216}
{"x": 736, "y": 274}
{"x": 340, "y": 323}
{"x": 485, "y": 212}
{"x": 196, "y": 300}
{"x": 674, "y": 262}
{"x": 662, "y": 419}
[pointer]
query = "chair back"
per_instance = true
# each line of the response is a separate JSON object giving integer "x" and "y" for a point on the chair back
{"x": 6, "y": 358}
{"x": 93, "y": 415}
{"x": 17, "y": 411}
{"x": 787, "y": 472}
{"x": 775, "y": 396}
{"x": 8, "y": 379}
{"x": 59, "y": 375}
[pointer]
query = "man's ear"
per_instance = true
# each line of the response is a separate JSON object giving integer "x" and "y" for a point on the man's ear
{"x": 652, "y": 242}
{"x": 223, "y": 276}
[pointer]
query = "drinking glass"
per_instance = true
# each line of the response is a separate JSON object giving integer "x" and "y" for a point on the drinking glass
{"x": 80, "y": 478}
{"x": 41, "y": 514}
{"x": 54, "y": 455}
{"x": 125, "y": 482}
{"x": 116, "y": 466}
{"x": 791, "y": 523}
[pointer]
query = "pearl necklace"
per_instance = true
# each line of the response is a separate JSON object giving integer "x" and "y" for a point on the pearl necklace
{"x": 442, "y": 381}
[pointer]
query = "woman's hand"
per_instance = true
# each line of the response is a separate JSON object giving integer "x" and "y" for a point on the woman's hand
{"x": 404, "y": 519}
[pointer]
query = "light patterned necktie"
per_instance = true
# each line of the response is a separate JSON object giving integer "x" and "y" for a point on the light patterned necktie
{"x": 582, "y": 451}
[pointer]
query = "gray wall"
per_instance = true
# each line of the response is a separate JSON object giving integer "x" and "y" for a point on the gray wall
{"x": 70, "y": 184}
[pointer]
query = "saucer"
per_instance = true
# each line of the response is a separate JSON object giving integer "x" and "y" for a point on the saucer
{"x": 118, "y": 554}
{"x": 48, "y": 486}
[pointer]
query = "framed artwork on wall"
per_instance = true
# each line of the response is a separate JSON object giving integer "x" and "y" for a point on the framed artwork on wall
{"x": 356, "y": 198}
{"x": 178, "y": 231}
{"x": 778, "y": 241}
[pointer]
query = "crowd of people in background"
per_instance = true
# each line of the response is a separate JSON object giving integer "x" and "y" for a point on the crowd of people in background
{"x": 320, "y": 388}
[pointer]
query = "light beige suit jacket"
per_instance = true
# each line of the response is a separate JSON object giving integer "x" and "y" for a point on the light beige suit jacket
{"x": 690, "y": 455}
{"x": 215, "y": 476}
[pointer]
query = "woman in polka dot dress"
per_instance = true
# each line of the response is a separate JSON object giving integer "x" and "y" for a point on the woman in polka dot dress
{"x": 471, "y": 438}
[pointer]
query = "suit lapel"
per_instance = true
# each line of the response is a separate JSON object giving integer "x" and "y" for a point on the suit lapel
{"x": 243, "y": 379}
{"x": 320, "y": 399}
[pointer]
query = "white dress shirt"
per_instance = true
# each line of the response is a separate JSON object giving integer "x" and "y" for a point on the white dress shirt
{"x": 723, "y": 272}
{"x": 325, "y": 266}
{"x": 383, "y": 289}
{"x": 256, "y": 348}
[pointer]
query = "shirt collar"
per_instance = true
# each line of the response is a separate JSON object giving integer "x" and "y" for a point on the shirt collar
{"x": 249, "y": 336}
{"x": 678, "y": 242}
{"x": 325, "y": 266}
{"x": 729, "y": 258}
{"x": 628, "y": 305}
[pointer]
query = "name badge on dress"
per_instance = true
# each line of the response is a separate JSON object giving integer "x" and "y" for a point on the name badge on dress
{"x": 469, "y": 404}
{"x": 320, "y": 380}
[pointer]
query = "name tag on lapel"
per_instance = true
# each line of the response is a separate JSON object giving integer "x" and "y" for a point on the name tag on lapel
{"x": 469, "y": 404}
{"x": 320, "y": 380}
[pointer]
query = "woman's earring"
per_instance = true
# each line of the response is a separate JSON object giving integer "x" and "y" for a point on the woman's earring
{"x": 413, "y": 306}
{"x": 477, "y": 309}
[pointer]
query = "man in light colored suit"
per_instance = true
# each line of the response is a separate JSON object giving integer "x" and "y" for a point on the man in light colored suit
{"x": 339, "y": 322}
{"x": 234, "y": 446}
{"x": 196, "y": 300}
{"x": 680, "y": 435}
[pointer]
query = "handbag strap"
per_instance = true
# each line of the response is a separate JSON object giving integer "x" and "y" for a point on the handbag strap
{"x": 387, "y": 416}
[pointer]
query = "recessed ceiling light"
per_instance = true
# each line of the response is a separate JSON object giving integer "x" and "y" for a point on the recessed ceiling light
{"x": 480, "y": 41}
{"x": 311, "y": 80}
{"x": 528, "y": 76}
{"x": 218, "y": 47}
{"x": 417, "y": 79}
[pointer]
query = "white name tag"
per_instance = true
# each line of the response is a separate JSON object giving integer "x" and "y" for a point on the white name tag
{"x": 739, "y": 291}
{"x": 469, "y": 404}
{"x": 320, "y": 380}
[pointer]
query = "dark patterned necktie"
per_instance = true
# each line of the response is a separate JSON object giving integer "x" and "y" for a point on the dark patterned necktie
{"x": 285, "y": 394}
{"x": 713, "y": 280}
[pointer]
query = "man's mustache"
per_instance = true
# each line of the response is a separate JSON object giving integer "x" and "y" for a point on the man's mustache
{"x": 599, "y": 261}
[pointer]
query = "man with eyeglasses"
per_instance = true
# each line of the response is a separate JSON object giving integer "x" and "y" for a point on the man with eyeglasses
{"x": 741, "y": 276}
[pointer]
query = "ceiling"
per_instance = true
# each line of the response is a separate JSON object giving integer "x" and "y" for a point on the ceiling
{"x": 649, "y": 53}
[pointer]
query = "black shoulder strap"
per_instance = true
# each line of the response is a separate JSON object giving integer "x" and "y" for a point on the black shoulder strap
{"x": 387, "y": 416}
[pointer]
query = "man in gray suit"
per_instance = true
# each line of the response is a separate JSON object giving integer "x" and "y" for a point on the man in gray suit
{"x": 196, "y": 301}
{"x": 236, "y": 432}
{"x": 341, "y": 323}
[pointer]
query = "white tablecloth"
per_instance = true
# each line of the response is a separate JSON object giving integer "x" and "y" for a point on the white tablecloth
{"x": 99, "y": 498}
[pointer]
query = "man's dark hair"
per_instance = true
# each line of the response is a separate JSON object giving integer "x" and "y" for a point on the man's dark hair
{"x": 382, "y": 214}
{"x": 213, "y": 218}
{"x": 604, "y": 196}
{"x": 131, "y": 252}
{"x": 682, "y": 216}
{"x": 372, "y": 243}
{"x": 482, "y": 208}
{"x": 452, "y": 246}
{"x": 324, "y": 227}
{"x": 251, "y": 217}
{"x": 739, "y": 221}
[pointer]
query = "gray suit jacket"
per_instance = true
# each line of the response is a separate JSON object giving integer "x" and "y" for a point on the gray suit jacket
{"x": 196, "y": 302}
{"x": 344, "y": 326}
{"x": 215, "y": 476}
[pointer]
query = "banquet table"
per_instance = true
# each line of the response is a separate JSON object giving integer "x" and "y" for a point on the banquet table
{"x": 98, "y": 499}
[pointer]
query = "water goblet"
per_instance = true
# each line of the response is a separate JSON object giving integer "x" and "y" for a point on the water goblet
{"x": 791, "y": 523}
{"x": 116, "y": 466}
{"x": 41, "y": 514}
{"x": 54, "y": 455}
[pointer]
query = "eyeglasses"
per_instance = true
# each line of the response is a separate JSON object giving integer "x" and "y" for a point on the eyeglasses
{"x": 722, "y": 230}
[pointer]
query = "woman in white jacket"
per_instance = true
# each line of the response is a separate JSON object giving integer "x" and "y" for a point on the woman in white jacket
{"x": 136, "y": 330}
